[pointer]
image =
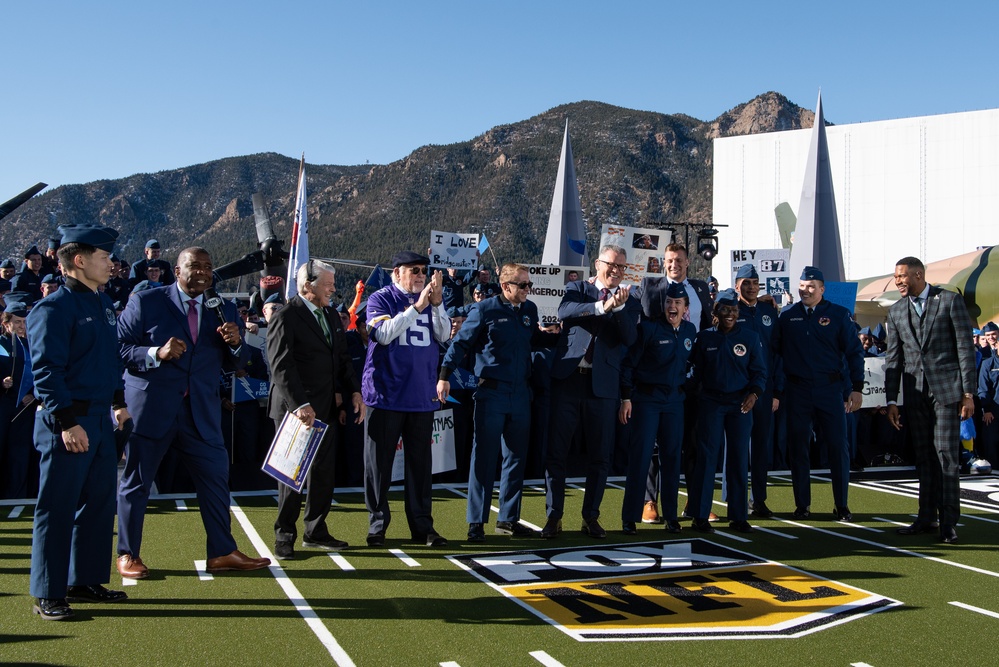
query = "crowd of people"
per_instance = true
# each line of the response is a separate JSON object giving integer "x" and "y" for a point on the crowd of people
{"x": 655, "y": 381}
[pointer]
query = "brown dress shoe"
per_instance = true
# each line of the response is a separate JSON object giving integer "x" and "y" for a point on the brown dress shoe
{"x": 235, "y": 561}
{"x": 132, "y": 567}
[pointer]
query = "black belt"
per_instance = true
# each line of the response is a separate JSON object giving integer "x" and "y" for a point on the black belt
{"x": 584, "y": 370}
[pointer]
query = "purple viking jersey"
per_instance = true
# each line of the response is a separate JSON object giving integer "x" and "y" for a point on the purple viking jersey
{"x": 402, "y": 375}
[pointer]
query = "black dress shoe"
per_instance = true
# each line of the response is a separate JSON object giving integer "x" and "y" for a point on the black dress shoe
{"x": 95, "y": 593}
{"x": 476, "y": 533}
{"x": 842, "y": 514}
{"x": 284, "y": 550}
{"x": 53, "y": 610}
{"x": 801, "y": 513}
{"x": 376, "y": 539}
{"x": 672, "y": 526}
{"x": 628, "y": 528}
{"x": 702, "y": 526}
{"x": 515, "y": 528}
{"x": 435, "y": 540}
{"x": 761, "y": 510}
{"x": 916, "y": 528}
{"x": 552, "y": 528}
{"x": 325, "y": 543}
{"x": 947, "y": 534}
{"x": 740, "y": 526}
{"x": 593, "y": 528}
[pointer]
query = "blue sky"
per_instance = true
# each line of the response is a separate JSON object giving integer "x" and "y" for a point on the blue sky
{"x": 108, "y": 89}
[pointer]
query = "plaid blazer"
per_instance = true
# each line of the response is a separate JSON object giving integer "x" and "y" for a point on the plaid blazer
{"x": 944, "y": 355}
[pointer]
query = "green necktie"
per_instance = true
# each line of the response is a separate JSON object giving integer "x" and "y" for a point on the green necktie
{"x": 322, "y": 325}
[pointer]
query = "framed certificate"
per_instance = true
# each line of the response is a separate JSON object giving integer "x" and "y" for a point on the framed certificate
{"x": 292, "y": 451}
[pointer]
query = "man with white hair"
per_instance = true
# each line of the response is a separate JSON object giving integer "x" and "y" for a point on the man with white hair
{"x": 406, "y": 320}
{"x": 309, "y": 365}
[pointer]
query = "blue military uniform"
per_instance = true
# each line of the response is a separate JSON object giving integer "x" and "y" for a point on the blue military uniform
{"x": 78, "y": 378}
{"x": 813, "y": 348}
{"x": 726, "y": 367}
{"x": 653, "y": 375}
{"x": 988, "y": 397}
{"x": 761, "y": 318}
{"x": 500, "y": 336}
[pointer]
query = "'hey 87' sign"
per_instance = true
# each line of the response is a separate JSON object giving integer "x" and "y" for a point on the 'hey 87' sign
{"x": 772, "y": 265}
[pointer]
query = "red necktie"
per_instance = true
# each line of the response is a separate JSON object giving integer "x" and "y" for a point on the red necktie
{"x": 192, "y": 319}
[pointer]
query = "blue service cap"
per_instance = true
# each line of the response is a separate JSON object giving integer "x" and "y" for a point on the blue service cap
{"x": 102, "y": 238}
{"x": 747, "y": 271}
{"x": 23, "y": 297}
{"x": 33, "y": 250}
{"x": 274, "y": 298}
{"x": 727, "y": 297}
{"x": 340, "y": 308}
{"x": 878, "y": 331}
{"x": 866, "y": 331}
{"x": 54, "y": 244}
{"x": 7, "y": 264}
{"x": 361, "y": 311}
{"x": 153, "y": 244}
{"x": 990, "y": 328}
{"x": 976, "y": 332}
{"x": 50, "y": 278}
{"x": 811, "y": 273}
{"x": 676, "y": 291}
{"x": 18, "y": 308}
{"x": 409, "y": 257}
{"x": 457, "y": 311}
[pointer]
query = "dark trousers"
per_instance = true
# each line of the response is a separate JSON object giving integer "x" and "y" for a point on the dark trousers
{"x": 206, "y": 461}
{"x": 823, "y": 407}
{"x": 18, "y": 458}
{"x": 74, "y": 516}
{"x": 318, "y": 496}
{"x": 761, "y": 445}
{"x": 383, "y": 430}
{"x": 502, "y": 424}
{"x": 935, "y": 430}
{"x": 721, "y": 424}
{"x": 574, "y": 405}
{"x": 657, "y": 435}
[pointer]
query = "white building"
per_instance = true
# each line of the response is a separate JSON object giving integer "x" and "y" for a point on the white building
{"x": 926, "y": 186}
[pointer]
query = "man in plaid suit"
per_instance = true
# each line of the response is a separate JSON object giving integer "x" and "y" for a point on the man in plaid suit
{"x": 931, "y": 355}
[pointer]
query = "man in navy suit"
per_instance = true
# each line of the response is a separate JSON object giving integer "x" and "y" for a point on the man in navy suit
{"x": 174, "y": 348}
{"x": 599, "y": 323}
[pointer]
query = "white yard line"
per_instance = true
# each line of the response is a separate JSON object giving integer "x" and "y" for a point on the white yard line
{"x": 977, "y": 610}
{"x": 15, "y": 511}
{"x": 291, "y": 591}
{"x": 545, "y": 659}
{"x": 342, "y": 563}
{"x": 181, "y": 505}
{"x": 774, "y": 532}
{"x": 401, "y": 555}
{"x": 203, "y": 575}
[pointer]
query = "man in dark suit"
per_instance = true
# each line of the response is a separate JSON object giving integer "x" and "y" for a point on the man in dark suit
{"x": 599, "y": 323}
{"x": 310, "y": 365}
{"x": 174, "y": 348}
{"x": 931, "y": 355}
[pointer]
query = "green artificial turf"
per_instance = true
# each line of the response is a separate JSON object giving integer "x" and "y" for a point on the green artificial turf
{"x": 384, "y": 612}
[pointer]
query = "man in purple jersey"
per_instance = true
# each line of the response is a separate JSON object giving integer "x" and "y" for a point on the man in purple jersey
{"x": 399, "y": 385}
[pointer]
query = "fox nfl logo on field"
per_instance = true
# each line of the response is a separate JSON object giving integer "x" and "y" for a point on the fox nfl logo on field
{"x": 683, "y": 589}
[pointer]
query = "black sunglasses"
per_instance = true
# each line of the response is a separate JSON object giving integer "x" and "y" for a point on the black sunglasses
{"x": 527, "y": 285}
{"x": 417, "y": 270}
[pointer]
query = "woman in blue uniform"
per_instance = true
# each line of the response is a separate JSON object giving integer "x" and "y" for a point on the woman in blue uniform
{"x": 729, "y": 367}
{"x": 652, "y": 378}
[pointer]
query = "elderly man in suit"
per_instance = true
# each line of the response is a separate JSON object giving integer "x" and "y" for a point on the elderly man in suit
{"x": 175, "y": 348}
{"x": 931, "y": 355}
{"x": 599, "y": 323}
{"x": 310, "y": 365}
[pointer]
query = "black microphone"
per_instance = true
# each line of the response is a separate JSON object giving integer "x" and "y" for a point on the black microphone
{"x": 214, "y": 301}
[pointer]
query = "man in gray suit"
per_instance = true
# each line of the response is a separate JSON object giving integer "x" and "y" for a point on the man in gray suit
{"x": 931, "y": 355}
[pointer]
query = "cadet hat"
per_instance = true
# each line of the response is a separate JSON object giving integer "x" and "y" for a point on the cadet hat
{"x": 976, "y": 332}
{"x": 7, "y": 264}
{"x": 4, "y": 285}
{"x": 409, "y": 257}
{"x": 727, "y": 297}
{"x": 361, "y": 312}
{"x": 33, "y": 250}
{"x": 340, "y": 308}
{"x": 17, "y": 308}
{"x": 747, "y": 271}
{"x": 273, "y": 298}
{"x": 676, "y": 291}
{"x": 866, "y": 331}
{"x": 23, "y": 297}
{"x": 54, "y": 244}
{"x": 50, "y": 278}
{"x": 456, "y": 311}
{"x": 878, "y": 331}
{"x": 990, "y": 328}
{"x": 102, "y": 238}
{"x": 811, "y": 273}
{"x": 152, "y": 244}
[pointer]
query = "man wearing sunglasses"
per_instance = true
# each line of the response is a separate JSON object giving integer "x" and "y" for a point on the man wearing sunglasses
{"x": 599, "y": 323}
{"x": 406, "y": 320}
{"x": 499, "y": 333}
